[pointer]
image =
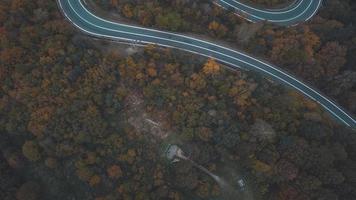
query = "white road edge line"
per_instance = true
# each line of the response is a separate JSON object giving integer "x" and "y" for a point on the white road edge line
{"x": 106, "y": 36}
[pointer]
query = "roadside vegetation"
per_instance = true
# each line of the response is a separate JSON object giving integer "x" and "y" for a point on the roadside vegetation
{"x": 321, "y": 51}
{"x": 73, "y": 113}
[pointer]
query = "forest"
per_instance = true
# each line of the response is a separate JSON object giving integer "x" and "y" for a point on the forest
{"x": 76, "y": 113}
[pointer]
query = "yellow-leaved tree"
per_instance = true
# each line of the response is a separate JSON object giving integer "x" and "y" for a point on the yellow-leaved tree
{"x": 211, "y": 67}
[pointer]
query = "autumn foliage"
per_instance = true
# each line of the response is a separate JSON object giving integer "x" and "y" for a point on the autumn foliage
{"x": 75, "y": 112}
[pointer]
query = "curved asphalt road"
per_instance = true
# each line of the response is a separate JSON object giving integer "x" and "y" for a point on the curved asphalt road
{"x": 301, "y": 10}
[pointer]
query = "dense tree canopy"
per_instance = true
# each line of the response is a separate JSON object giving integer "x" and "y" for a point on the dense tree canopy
{"x": 86, "y": 119}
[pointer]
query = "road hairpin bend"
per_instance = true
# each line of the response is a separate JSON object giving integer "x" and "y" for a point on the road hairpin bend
{"x": 300, "y": 11}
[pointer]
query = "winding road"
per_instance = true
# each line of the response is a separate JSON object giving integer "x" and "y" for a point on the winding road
{"x": 301, "y": 10}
